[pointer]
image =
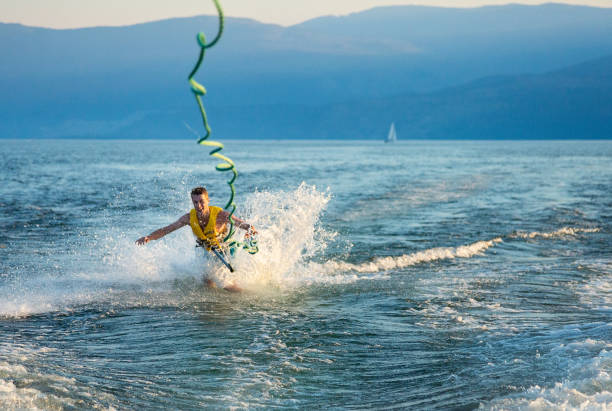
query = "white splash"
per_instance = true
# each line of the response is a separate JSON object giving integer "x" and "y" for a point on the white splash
{"x": 289, "y": 233}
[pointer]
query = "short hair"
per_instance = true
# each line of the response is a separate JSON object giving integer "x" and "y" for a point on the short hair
{"x": 199, "y": 191}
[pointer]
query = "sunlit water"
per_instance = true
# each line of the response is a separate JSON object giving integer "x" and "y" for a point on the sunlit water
{"x": 412, "y": 275}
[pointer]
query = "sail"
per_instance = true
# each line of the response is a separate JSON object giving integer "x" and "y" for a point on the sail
{"x": 392, "y": 135}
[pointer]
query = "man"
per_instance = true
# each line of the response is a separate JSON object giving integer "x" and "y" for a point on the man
{"x": 208, "y": 223}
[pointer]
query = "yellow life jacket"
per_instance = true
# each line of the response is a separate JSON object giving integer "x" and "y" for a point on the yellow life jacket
{"x": 209, "y": 236}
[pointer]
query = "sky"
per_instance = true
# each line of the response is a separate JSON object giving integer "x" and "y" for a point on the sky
{"x": 87, "y": 13}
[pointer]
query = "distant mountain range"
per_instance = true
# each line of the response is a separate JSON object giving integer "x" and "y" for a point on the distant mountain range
{"x": 491, "y": 72}
{"x": 573, "y": 103}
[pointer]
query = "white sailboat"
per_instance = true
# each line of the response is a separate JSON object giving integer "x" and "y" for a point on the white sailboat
{"x": 392, "y": 135}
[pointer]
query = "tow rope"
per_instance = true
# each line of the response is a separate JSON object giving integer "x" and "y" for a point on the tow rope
{"x": 250, "y": 243}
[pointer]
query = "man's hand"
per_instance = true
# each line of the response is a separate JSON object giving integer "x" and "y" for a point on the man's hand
{"x": 143, "y": 240}
{"x": 157, "y": 234}
{"x": 250, "y": 232}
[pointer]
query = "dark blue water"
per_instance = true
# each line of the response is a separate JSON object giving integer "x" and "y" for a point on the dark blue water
{"x": 413, "y": 275}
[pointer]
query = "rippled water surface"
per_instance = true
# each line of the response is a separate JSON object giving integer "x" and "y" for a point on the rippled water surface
{"x": 413, "y": 275}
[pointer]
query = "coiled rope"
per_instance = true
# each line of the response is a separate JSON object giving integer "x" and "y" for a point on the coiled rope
{"x": 198, "y": 90}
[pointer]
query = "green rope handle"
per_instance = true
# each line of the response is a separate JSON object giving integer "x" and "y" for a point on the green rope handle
{"x": 227, "y": 165}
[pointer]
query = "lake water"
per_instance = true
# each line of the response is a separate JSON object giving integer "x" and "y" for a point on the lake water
{"x": 415, "y": 275}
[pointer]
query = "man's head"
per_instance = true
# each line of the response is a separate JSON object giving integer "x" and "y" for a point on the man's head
{"x": 199, "y": 197}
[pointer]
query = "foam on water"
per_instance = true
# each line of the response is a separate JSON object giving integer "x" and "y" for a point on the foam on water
{"x": 24, "y": 386}
{"x": 565, "y": 231}
{"x": 13, "y": 397}
{"x": 587, "y": 387}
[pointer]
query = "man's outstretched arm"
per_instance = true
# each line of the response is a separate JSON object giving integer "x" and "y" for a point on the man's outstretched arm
{"x": 157, "y": 234}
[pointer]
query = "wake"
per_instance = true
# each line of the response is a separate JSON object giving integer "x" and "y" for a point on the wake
{"x": 477, "y": 248}
{"x": 407, "y": 260}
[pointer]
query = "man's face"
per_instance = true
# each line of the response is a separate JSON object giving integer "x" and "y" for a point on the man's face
{"x": 200, "y": 202}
